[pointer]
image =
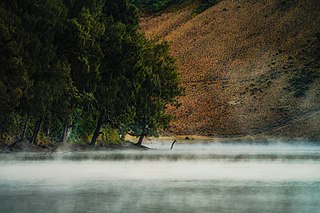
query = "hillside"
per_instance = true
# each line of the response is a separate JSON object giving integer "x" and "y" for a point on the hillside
{"x": 249, "y": 67}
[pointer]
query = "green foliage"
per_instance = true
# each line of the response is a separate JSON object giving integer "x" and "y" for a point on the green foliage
{"x": 159, "y": 88}
{"x": 155, "y": 6}
{"x": 70, "y": 68}
{"x": 111, "y": 135}
{"x": 122, "y": 11}
{"x": 13, "y": 73}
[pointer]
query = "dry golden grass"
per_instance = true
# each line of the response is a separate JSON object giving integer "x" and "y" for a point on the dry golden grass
{"x": 235, "y": 60}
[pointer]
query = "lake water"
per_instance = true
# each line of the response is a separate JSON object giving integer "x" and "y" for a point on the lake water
{"x": 197, "y": 177}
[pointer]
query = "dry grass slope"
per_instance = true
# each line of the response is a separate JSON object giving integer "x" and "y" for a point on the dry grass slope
{"x": 237, "y": 60}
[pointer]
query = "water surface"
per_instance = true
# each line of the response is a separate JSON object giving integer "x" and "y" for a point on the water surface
{"x": 197, "y": 177}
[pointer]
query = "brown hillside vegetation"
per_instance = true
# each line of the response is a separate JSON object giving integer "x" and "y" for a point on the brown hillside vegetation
{"x": 249, "y": 67}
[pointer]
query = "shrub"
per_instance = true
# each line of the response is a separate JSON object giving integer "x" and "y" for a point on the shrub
{"x": 203, "y": 5}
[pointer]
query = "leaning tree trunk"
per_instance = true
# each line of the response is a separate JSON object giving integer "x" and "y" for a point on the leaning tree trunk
{"x": 140, "y": 140}
{"x": 66, "y": 132}
{"x": 24, "y": 131}
{"x": 47, "y": 128}
{"x": 123, "y": 137}
{"x": 97, "y": 130}
{"x": 36, "y": 131}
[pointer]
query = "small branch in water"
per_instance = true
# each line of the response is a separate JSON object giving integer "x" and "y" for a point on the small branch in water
{"x": 173, "y": 144}
{"x": 51, "y": 150}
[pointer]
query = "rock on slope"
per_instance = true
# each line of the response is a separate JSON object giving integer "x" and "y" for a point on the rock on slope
{"x": 248, "y": 66}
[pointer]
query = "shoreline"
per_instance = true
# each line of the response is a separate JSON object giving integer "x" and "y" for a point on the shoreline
{"x": 129, "y": 143}
{"x": 72, "y": 147}
{"x": 214, "y": 139}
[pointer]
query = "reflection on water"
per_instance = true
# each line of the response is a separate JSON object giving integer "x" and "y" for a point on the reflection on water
{"x": 191, "y": 178}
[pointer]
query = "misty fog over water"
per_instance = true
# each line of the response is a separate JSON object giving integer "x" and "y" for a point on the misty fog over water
{"x": 197, "y": 177}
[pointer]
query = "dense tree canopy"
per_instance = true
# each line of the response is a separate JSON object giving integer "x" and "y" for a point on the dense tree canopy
{"x": 72, "y": 68}
{"x": 154, "y": 6}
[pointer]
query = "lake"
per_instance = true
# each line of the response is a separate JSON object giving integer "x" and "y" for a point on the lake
{"x": 193, "y": 177}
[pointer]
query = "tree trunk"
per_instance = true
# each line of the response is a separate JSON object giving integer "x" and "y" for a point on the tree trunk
{"x": 97, "y": 130}
{"x": 123, "y": 137}
{"x": 140, "y": 140}
{"x": 36, "y": 131}
{"x": 46, "y": 125}
{"x": 66, "y": 132}
{"x": 24, "y": 131}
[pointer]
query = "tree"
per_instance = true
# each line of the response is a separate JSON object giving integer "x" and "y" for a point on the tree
{"x": 13, "y": 73}
{"x": 72, "y": 63}
{"x": 159, "y": 89}
{"x": 122, "y": 11}
{"x": 81, "y": 47}
{"x": 36, "y": 34}
{"x": 121, "y": 46}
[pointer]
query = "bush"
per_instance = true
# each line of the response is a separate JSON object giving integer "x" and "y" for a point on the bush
{"x": 203, "y": 5}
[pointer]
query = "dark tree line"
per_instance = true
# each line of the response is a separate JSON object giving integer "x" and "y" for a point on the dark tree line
{"x": 154, "y": 6}
{"x": 74, "y": 67}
